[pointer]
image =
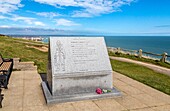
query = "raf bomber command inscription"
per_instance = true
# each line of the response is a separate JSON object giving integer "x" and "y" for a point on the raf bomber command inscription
{"x": 72, "y": 55}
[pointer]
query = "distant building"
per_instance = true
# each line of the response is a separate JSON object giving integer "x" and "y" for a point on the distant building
{"x": 33, "y": 38}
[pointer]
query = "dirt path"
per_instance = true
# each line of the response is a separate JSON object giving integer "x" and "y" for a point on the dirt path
{"x": 43, "y": 49}
{"x": 31, "y": 43}
{"x": 151, "y": 66}
{"x": 38, "y": 46}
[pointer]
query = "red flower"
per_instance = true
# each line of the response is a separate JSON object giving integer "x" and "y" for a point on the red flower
{"x": 99, "y": 91}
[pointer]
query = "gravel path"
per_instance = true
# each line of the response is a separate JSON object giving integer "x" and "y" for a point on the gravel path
{"x": 151, "y": 66}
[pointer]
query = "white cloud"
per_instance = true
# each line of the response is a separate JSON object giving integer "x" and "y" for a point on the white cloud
{"x": 7, "y": 6}
{"x": 22, "y": 19}
{"x": 48, "y": 14}
{"x": 38, "y": 23}
{"x": 5, "y": 26}
{"x": 81, "y": 14}
{"x": 89, "y": 8}
{"x": 2, "y": 17}
{"x": 119, "y": 3}
{"x": 58, "y": 2}
{"x": 28, "y": 20}
{"x": 13, "y": 17}
{"x": 64, "y": 22}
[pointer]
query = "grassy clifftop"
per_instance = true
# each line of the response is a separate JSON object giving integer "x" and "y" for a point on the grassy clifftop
{"x": 143, "y": 74}
{"x": 18, "y": 48}
{"x": 147, "y": 60}
{"x": 24, "y": 49}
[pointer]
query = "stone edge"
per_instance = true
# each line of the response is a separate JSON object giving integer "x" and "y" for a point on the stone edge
{"x": 54, "y": 99}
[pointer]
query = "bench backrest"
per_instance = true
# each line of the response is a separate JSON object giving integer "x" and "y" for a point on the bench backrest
{"x": 1, "y": 59}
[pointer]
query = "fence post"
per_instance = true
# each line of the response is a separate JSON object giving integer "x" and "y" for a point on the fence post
{"x": 140, "y": 53}
{"x": 164, "y": 56}
{"x": 118, "y": 50}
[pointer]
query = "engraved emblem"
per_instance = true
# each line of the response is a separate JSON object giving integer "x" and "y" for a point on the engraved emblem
{"x": 59, "y": 57}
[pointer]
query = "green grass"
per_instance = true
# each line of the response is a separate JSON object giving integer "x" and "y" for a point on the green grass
{"x": 29, "y": 41}
{"x": 9, "y": 48}
{"x": 133, "y": 57}
{"x": 142, "y": 74}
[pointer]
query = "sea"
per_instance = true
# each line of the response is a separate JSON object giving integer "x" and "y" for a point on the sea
{"x": 152, "y": 44}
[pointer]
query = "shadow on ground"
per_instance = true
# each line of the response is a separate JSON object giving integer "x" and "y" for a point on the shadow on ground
{"x": 43, "y": 76}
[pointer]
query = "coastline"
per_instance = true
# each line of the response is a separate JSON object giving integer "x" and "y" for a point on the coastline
{"x": 152, "y": 44}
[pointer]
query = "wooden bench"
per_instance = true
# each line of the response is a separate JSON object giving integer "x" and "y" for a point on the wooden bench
{"x": 1, "y": 96}
{"x": 6, "y": 66}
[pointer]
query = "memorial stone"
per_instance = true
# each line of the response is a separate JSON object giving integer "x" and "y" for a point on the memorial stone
{"x": 77, "y": 66}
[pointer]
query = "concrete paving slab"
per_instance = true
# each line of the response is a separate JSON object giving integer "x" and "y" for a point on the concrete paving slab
{"x": 33, "y": 100}
{"x": 36, "y": 108}
{"x": 32, "y": 75}
{"x": 130, "y": 102}
{"x": 149, "y": 100}
{"x": 162, "y": 108}
{"x": 160, "y": 96}
{"x": 11, "y": 108}
{"x": 32, "y": 83}
{"x": 86, "y": 106}
{"x": 28, "y": 90}
{"x": 143, "y": 109}
{"x": 117, "y": 83}
{"x": 16, "y": 83}
{"x": 13, "y": 101}
{"x": 61, "y": 107}
{"x": 24, "y": 93}
{"x": 109, "y": 105}
{"x": 17, "y": 75}
{"x": 128, "y": 80}
{"x": 14, "y": 91}
{"x": 130, "y": 90}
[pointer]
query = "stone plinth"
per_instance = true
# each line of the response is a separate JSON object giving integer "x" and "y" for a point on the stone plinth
{"x": 76, "y": 67}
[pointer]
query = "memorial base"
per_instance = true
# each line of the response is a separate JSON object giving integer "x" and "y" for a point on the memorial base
{"x": 76, "y": 97}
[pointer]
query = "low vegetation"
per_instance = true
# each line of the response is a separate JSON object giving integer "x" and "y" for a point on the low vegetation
{"x": 133, "y": 57}
{"x": 142, "y": 74}
{"x": 10, "y": 48}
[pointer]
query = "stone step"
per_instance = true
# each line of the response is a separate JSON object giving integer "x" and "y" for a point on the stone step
{"x": 16, "y": 62}
{"x": 24, "y": 66}
{"x": 27, "y": 63}
{"x": 34, "y": 68}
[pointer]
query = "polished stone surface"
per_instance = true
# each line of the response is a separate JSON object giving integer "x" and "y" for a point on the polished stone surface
{"x": 76, "y": 67}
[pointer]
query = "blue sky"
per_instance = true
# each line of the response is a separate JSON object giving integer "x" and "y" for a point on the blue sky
{"x": 85, "y": 17}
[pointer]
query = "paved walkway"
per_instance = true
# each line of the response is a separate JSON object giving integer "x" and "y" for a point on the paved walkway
{"x": 151, "y": 66}
{"x": 24, "y": 93}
